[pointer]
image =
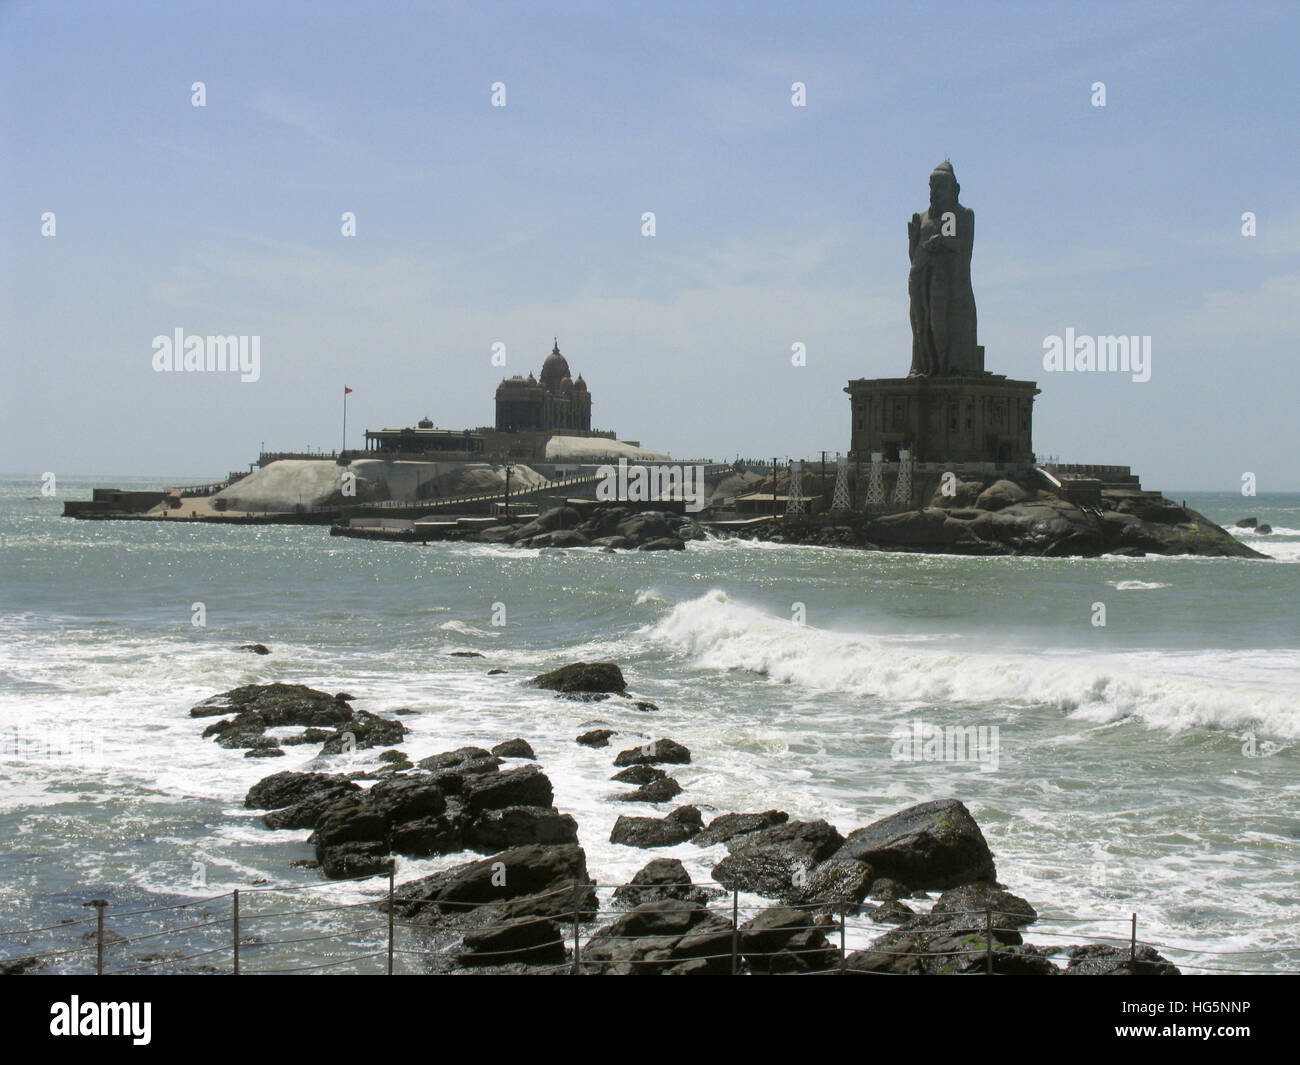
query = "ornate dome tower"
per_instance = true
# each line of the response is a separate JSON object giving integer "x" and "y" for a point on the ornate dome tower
{"x": 553, "y": 401}
{"x": 555, "y": 369}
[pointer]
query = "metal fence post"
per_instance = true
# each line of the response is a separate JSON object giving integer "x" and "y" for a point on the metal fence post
{"x": 99, "y": 905}
{"x": 577, "y": 933}
{"x": 844, "y": 955}
{"x": 988, "y": 945}
{"x": 1133, "y": 941}
{"x": 735, "y": 931}
{"x": 235, "y": 923}
{"x": 390, "y": 920}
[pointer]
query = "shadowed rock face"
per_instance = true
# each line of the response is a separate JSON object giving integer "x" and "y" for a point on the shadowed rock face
{"x": 583, "y": 677}
{"x": 1097, "y": 959}
{"x": 258, "y": 707}
{"x": 1010, "y": 518}
{"x": 677, "y": 827}
{"x": 931, "y": 845}
{"x": 725, "y": 826}
{"x": 534, "y": 880}
{"x": 664, "y": 750}
{"x": 793, "y": 862}
{"x": 783, "y": 940}
{"x": 668, "y": 936}
{"x": 662, "y": 878}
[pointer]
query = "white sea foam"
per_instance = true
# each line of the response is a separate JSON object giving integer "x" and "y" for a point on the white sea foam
{"x": 1173, "y": 692}
{"x": 464, "y": 628}
{"x": 1137, "y": 586}
{"x": 1281, "y": 550}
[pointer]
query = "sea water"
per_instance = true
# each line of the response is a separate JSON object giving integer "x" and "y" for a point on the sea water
{"x": 1147, "y": 765}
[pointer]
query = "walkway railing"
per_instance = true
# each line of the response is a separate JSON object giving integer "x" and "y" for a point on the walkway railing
{"x": 250, "y": 930}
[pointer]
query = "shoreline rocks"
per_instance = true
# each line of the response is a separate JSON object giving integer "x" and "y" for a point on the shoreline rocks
{"x": 514, "y": 910}
{"x": 599, "y": 677}
{"x": 1004, "y": 517}
{"x": 1009, "y": 518}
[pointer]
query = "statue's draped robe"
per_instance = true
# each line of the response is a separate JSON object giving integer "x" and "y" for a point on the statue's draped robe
{"x": 942, "y": 301}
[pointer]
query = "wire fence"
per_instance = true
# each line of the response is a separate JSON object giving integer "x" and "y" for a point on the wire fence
{"x": 253, "y": 930}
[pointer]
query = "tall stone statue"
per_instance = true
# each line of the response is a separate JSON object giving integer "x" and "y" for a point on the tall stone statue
{"x": 940, "y": 242}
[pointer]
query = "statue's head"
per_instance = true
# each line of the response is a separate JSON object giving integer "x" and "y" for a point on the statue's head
{"x": 943, "y": 186}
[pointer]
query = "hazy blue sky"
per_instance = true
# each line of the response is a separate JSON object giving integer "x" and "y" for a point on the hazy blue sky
{"x": 775, "y": 224}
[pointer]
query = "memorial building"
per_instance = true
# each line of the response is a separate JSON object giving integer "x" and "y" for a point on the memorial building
{"x": 949, "y": 408}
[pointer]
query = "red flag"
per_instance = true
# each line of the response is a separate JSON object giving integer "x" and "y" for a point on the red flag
{"x": 346, "y": 390}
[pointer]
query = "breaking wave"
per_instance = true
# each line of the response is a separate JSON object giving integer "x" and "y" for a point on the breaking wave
{"x": 1225, "y": 690}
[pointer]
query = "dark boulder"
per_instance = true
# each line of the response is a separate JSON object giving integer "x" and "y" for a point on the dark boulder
{"x": 837, "y": 885}
{"x": 559, "y": 538}
{"x": 954, "y": 937}
{"x": 639, "y": 774}
{"x": 364, "y": 730}
{"x": 311, "y": 735}
{"x": 783, "y": 940}
{"x": 662, "y": 878}
{"x": 668, "y": 936}
{"x": 883, "y": 889}
{"x": 1001, "y": 494}
{"x": 903, "y": 953}
{"x": 774, "y": 872}
{"x": 1100, "y": 960}
{"x": 664, "y": 750}
{"x": 354, "y": 858}
{"x": 932, "y": 845}
{"x": 525, "y": 786}
{"x": 277, "y": 705}
{"x": 534, "y": 880}
{"x": 467, "y": 760}
{"x": 647, "y": 525}
{"x": 520, "y": 939}
{"x": 513, "y": 749}
{"x": 517, "y": 826}
{"x": 452, "y": 769}
{"x": 287, "y": 788}
{"x": 677, "y": 827}
{"x": 892, "y": 912}
{"x": 972, "y": 900}
{"x": 665, "y": 789}
{"x": 255, "y": 648}
{"x": 423, "y": 837}
{"x": 402, "y": 798}
{"x": 778, "y": 862}
{"x": 664, "y": 543}
{"x": 306, "y": 813}
{"x": 548, "y": 521}
{"x": 401, "y": 813}
{"x": 583, "y": 677}
{"x": 725, "y": 827}
{"x": 818, "y": 840}
{"x": 597, "y": 737}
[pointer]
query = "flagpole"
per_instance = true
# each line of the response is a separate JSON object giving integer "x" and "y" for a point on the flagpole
{"x": 345, "y": 420}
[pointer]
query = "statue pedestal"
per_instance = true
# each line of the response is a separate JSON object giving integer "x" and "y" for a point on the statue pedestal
{"x": 981, "y": 418}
